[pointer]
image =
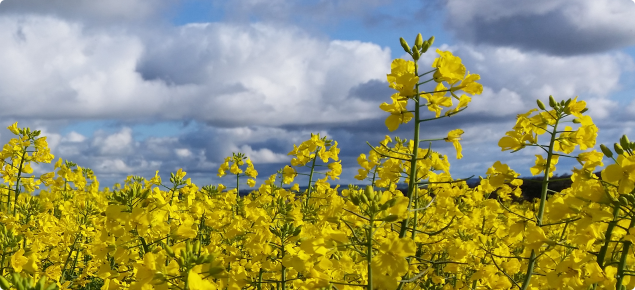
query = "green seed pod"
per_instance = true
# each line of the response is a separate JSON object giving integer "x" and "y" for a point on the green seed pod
{"x": 53, "y": 286}
{"x": 208, "y": 258}
{"x": 625, "y": 142}
{"x": 169, "y": 251}
{"x": 404, "y": 44}
{"x": 418, "y": 41}
{"x": 391, "y": 218}
{"x": 200, "y": 259}
{"x": 364, "y": 198}
{"x": 297, "y": 231}
{"x": 4, "y": 283}
{"x": 197, "y": 246}
{"x": 188, "y": 247}
{"x": 540, "y": 104}
{"x": 618, "y": 149}
{"x": 40, "y": 284}
{"x": 355, "y": 200}
{"x": 607, "y": 152}
{"x": 552, "y": 102}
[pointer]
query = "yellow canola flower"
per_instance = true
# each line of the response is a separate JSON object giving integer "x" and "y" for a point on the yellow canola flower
{"x": 469, "y": 85}
{"x": 454, "y": 136}
{"x": 18, "y": 260}
{"x": 398, "y": 112}
{"x": 438, "y": 100}
{"x": 621, "y": 173}
{"x": 14, "y": 128}
{"x": 402, "y": 77}
{"x": 450, "y": 68}
{"x": 541, "y": 164}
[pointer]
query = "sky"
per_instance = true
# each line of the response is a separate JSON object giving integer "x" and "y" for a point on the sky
{"x": 128, "y": 87}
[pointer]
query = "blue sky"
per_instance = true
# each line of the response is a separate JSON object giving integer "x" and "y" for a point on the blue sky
{"x": 127, "y": 87}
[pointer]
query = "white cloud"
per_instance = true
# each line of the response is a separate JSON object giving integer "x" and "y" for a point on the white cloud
{"x": 220, "y": 74}
{"x": 560, "y": 27}
{"x": 183, "y": 152}
{"x": 120, "y": 143}
{"x": 263, "y": 155}
{"x": 100, "y": 12}
{"x": 74, "y": 137}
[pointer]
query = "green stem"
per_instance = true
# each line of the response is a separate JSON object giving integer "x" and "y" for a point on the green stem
{"x": 17, "y": 182}
{"x": 413, "y": 165}
{"x": 607, "y": 237}
{"x": 308, "y": 193}
{"x": 369, "y": 254}
{"x": 543, "y": 201}
{"x": 622, "y": 264}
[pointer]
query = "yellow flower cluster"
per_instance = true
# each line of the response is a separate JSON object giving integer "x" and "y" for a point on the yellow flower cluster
{"x": 438, "y": 234}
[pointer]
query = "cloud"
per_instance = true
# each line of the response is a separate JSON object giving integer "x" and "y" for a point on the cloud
{"x": 224, "y": 75}
{"x": 557, "y": 27}
{"x": 514, "y": 79}
{"x": 99, "y": 12}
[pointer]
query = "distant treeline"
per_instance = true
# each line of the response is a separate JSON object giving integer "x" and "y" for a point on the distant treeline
{"x": 530, "y": 189}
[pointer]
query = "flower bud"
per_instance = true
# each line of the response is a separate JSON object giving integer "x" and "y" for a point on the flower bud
{"x": 369, "y": 192}
{"x": 540, "y": 104}
{"x": 416, "y": 54}
{"x": 625, "y": 142}
{"x": 576, "y": 121}
{"x": 404, "y": 44}
{"x": 607, "y": 152}
{"x": 426, "y": 44}
{"x": 618, "y": 149}
{"x": 622, "y": 200}
{"x": 418, "y": 41}
{"x": 552, "y": 102}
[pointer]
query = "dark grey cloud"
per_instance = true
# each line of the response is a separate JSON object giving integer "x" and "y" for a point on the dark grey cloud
{"x": 559, "y": 27}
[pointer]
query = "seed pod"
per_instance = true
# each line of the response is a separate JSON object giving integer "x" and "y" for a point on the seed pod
{"x": 197, "y": 246}
{"x": 607, "y": 152}
{"x": 188, "y": 247}
{"x": 391, "y": 218}
{"x": 618, "y": 149}
{"x": 404, "y": 44}
{"x": 297, "y": 231}
{"x": 552, "y": 102}
{"x": 4, "y": 283}
{"x": 540, "y": 104}
{"x": 355, "y": 199}
{"x": 208, "y": 258}
{"x": 418, "y": 41}
{"x": 364, "y": 198}
{"x": 169, "y": 251}
{"x": 40, "y": 284}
